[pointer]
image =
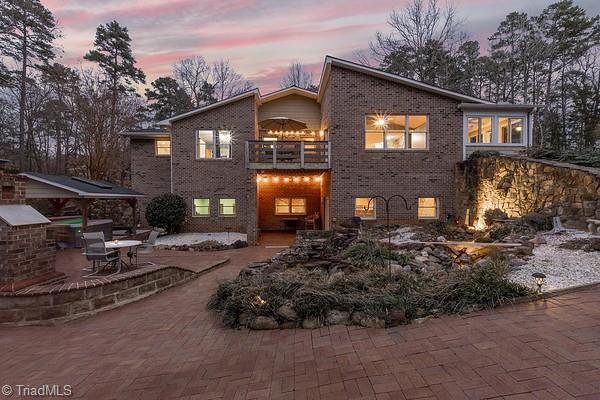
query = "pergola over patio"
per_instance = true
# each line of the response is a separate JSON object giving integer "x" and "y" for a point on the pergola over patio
{"x": 59, "y": 189}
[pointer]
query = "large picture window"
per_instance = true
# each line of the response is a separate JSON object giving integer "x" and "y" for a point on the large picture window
{"x": 290, "y": 206}
{"x": 212, "y": 144}
{"x": 479, "y": 130}
{"x": 396, "y": 132}
{"x": 365, "y": 208}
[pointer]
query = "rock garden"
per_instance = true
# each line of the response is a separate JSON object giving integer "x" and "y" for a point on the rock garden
{"x": 349, "y": 276}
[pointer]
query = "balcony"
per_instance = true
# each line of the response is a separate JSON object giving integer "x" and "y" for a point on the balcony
{"x": 287, "y": 154}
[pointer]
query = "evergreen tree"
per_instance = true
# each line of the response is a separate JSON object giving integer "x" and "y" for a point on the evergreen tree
{"x": 169, "y": 98}
{"x": 27, "y": 30}
{"x": 112, "y": 52}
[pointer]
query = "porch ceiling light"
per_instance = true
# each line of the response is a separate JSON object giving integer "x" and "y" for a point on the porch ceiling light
{"x": 539, "y": 280}
{"x": 286, "y": 179}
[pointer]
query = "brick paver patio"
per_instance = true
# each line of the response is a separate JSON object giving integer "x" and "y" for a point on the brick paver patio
{"x": 170, "y": 346}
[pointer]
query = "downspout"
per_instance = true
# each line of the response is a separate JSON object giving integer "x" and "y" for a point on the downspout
{"x": 171, "y": 160}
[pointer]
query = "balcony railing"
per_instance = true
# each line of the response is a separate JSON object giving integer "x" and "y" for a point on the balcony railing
{"x": 287, "y": 154}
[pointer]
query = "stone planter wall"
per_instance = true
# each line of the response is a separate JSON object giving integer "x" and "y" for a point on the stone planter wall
{"x": 519, "y": 185}
{"x": 61, "y": 302}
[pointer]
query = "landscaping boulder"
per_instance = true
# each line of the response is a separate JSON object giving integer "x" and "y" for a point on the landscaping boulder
{"x": 262, "y": 323}
{"x": 335, "y": 317}
{"x": 360, "y": 318}
{"x": 287, "y": 312}
{"x": 311, "y": 323}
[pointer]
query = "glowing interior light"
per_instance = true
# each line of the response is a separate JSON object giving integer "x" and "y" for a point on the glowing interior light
{"x": 276, "y": 179}
{"x": 286, "y": 179}
{"x": 296, "y": 179}
{"x": 318, "y": 179}
{"x": 380, "y": 122}
{"x": 306, "y": 179}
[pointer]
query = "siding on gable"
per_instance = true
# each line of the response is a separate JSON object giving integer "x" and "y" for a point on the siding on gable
{"x": 294, "y": 106}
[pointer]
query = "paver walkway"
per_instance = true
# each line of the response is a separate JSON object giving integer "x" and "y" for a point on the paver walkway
{"x": 170, "y": 346}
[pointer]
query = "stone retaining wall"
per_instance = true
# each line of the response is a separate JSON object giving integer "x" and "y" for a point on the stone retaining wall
{"x": 42, "y": 304}
{"x": 520, "y": 185}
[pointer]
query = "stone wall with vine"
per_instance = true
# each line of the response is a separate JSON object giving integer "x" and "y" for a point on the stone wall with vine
{"x": 519, "y": 185}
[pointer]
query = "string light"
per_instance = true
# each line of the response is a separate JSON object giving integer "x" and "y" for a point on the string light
{"x": 288, "y": 179}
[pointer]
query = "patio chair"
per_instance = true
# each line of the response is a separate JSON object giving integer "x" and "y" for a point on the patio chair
{"x": 311, "y": 221}
{"x": 101, "y": 258}
{"x": 93, "y": 235}
{"x": 147, "y": 248}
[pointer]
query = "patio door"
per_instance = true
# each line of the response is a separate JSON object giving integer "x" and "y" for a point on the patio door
{"x": 326, "y": 213}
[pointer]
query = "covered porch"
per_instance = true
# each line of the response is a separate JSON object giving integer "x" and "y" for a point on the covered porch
{"x": 292, "y": 201}
{"x": 59, "y": 190}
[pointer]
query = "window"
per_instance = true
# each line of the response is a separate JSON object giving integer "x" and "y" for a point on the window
{"x": 201, "y": 207}
{"x": 396, "y": 132}
{"x": 479, "y": 130}
{"x": 363, "y": 209}
{"x": 213, "y": 144}
{"x": 162, "y": 147}
{"x": 428, "y": 208}
{"x": 227, "y": 207}
{"x": 510, "y": 130}
{"x": 287, "y": 205}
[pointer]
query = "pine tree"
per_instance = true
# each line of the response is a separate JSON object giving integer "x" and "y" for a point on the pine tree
{"x": 169, "y": 98}
{"x": 112, "y": 52}
{"x": 27, "y": 30}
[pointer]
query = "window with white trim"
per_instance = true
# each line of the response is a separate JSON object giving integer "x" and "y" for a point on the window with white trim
{"x": 227, "y": 207}
{"x": 365, "y": 208}
{"x": 290, "y": 206}
{"x": 510, "y": 130}
{"x": 479, "y": 130}
{"x": 213, "y": 144}
{"x": 162, "y": 147}
{"x": 201, "y": 207}
{"x": 396, "y": 132}
{"x": 428, "y": 208}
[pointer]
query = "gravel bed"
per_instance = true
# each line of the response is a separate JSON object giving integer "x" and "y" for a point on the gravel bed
{"x": 563, "y": 268}
{"x": 180, "y": 239}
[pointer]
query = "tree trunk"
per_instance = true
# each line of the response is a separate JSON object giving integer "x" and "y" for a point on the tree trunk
{"x": 23, "y": 100}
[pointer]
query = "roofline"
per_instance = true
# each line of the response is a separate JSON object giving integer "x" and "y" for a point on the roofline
{"x": 78, "y": 192}
{"x": 287, "y": 91}
{"x": 147, "y": 134}
{"x": 498, "y": 106}
{"x": 169, "y": 121}
{"x": 329, "y": 61}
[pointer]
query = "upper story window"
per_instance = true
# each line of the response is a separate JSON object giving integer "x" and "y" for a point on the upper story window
{"x": 495, "y": 129}
{"x": 162, "y": 147}
{"x": 479, "y": 130}
{"x": 396, "y": 132}
{"x": 510, "y": 130}
{"x": 213, "y": 144}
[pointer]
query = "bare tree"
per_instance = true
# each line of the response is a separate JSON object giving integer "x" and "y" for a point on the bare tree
{"x": 297, "y": 75}
{"x": 227, "y": 82}
{"x": 193, "y": 75}
{"x": 423, "y": 34}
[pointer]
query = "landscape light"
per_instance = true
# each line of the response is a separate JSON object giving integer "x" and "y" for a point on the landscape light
{"x": 539, "y": 280}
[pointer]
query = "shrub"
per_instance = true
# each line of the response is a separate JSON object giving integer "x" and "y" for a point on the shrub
{"x": 493, "y": 214}
{"x": 166, "y": 211}
{"x": 369, "y": 253}
{"x": 477, "y": 154}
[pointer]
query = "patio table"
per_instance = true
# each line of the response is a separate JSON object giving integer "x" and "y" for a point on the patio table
{"x": 122, "y": 244}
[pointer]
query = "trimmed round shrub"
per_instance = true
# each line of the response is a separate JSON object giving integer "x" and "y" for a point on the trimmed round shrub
{"x": 166, "y": 211}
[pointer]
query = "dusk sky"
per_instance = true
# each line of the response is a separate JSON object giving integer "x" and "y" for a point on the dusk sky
{"x": 259, "y": 37}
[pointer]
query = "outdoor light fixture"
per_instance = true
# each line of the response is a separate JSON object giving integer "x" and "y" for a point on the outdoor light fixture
{"x": 306, "y": 179}
{"x": 286, "y": 179}
{"x": 539, "y": 280}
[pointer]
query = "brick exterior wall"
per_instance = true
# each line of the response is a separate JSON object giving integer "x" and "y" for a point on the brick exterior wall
{"x": 150, "y": 174}
{"x": 215, "y": 179}
{"x": 268, "y": 191}
{"x": 25, "y": 251}
{"x": 415, "y": 173}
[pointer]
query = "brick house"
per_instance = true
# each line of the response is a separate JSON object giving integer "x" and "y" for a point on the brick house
{"x": 282, "y": 160}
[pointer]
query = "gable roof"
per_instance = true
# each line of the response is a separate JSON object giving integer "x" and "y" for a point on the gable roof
{"x": 286, "y": 92}
{"x": 253, "y": 92}
{"x": 329, "y": 61}
{"x": 82, "y": 187}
